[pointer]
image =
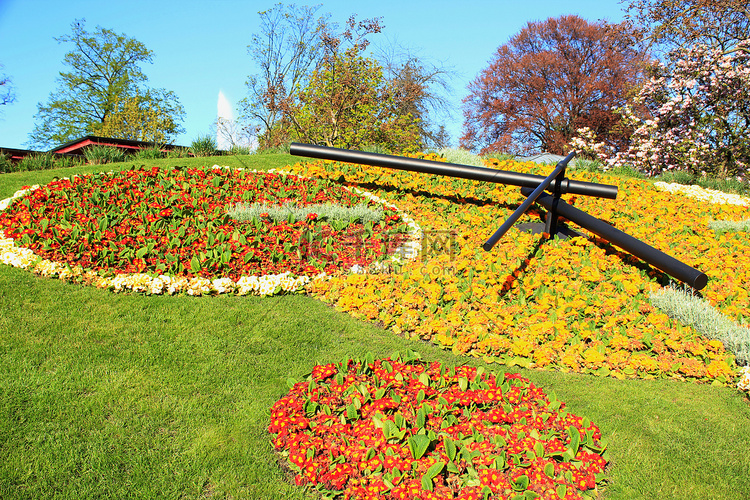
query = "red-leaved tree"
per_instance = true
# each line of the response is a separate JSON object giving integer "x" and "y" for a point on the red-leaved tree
{"x": 549, "y": 80}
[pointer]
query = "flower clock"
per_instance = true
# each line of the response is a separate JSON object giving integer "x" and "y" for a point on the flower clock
{"x": 401, "y": 428}
{"x": 166, "y": 230}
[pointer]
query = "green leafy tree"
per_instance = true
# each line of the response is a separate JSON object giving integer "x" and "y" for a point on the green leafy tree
{"x": 349, "y": 104}
{"x": 104, "y": 71}
{"x": 149, "y": 117}
{"x": 304, "y": 60}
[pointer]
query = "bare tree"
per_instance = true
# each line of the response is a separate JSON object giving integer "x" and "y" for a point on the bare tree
{"x": 285, "y": 50}
{"x": 7, "y": 92}
{"x": 422, "y": 90}
{"x": 232, "y": 133}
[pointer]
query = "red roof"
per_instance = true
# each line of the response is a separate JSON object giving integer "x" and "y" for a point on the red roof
{"x": 76, "y": 146}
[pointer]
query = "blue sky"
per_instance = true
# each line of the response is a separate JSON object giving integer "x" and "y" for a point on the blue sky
{"x": 200, "y": 47}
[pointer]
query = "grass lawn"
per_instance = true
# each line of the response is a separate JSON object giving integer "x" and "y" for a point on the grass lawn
{"x": 127, "y": 396}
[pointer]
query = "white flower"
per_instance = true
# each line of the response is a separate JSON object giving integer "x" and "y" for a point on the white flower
{"x": 710, "y": 195}
{"x": 744, "y": 383}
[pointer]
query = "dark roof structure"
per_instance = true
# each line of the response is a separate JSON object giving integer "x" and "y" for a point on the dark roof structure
{"x": 16, "y": 154}
{"x": 76, "y": 146}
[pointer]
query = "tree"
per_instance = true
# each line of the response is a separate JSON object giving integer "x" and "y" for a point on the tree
{"x": 295, "y": 43}
{"x": 287, "y": 48}
{"x": 347, "y": 102}
{"x": 7, "y": 93}
{"x": 105, "y": 71}
{"x": 549, "y": 80}
{"x": 675, "y": 24}
{"x": 149, "y": 117}
{"x": 420, "y": 90}
{"x": 232, "y": 135}
{"x": 699, "y": 116}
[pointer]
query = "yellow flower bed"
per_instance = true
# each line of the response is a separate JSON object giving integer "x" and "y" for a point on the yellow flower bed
{"x": 575, "y": 305}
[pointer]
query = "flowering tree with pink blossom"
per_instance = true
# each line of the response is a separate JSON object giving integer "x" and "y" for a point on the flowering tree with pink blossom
{"x": 693, "y": 115}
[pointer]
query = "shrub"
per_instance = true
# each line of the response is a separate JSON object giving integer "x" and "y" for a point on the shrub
{"x": 696, "y": 312}
{"x": 67, "y": 161}
{"x": 678, "y": 177}
{"x": 280, "y": 149}
{"x": 498, "y": 155}
{"x": 5, "y": 164}
{"x": 99, "y": 155}
{"x": 730, "y": 185}
{"x": 178, "y": 153}
{"x": 204, "y": 146}
{"x": 39, "y": 161}
{"x": 153, "y": 153}
{"x": 240, "y": 150}
{"x": 376, "y": 148}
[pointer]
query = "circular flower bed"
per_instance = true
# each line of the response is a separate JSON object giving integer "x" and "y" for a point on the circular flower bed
{"x": 402, "y": 428}
{"x": 174, "y": 224}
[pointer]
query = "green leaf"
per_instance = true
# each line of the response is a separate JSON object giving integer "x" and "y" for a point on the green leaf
{"x": 195, "y": 265}
{"x": 450, "y": 447}
{"x": 561, "y": 490}
{"x": 418, "y": 445}
{"x": 424, "y": 379}
{"x": 521, "y": 483}
{"x": 421, "y": 418}
{"x": 426, "y": 483}
{"x": 549, "y": 469}
{"x": 435, "y": 469}
{"x": 575, "y": 439}
{"x": 463, "y": 383}
{"x": 351, "y": 412}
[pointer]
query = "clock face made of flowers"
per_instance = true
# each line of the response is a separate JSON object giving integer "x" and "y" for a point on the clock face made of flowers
{"x": 178, "y": 223}
{"x": 554, "y": 182}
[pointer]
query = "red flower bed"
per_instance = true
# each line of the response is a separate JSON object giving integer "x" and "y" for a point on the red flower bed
{"x": 175, "y": 222}
{"x": 401, "y": 428}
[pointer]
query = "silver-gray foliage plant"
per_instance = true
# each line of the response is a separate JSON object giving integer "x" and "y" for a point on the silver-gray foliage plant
{"x": 696, "y": 312}
{"x": 460, "y": 157}
{"x": 725, "y": 226}
{"x": 359, "y": 213}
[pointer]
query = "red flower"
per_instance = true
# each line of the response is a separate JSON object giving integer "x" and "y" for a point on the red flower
{"x": 174, "y": 221}
{"x": 360, "y": 423}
